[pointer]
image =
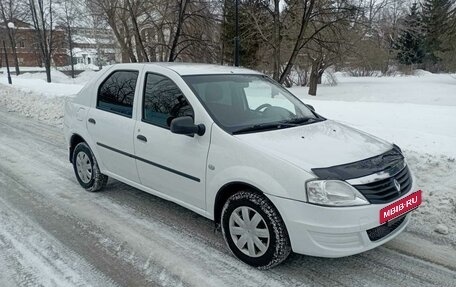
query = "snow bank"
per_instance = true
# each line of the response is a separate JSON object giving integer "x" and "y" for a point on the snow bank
{"x": 57, "y": 76}
{"x": 85, "y": 76}
{"x": 81, "y": 66}
{"x": 32, "y": 104}
{"x": 435, "y": 175}
{"x": 431, "y": 89}
{"x": 33, "y": 97}
{"x": 36, "y": 83}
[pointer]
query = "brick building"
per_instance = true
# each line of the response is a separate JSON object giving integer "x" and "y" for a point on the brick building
{"x": 28, "y": 52}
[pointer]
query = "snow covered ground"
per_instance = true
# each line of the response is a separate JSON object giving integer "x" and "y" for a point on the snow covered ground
{"x": 416, "y": 112}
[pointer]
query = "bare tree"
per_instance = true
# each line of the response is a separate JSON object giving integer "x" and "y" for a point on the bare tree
{"x": 69, "y": 13}
{"x": 115, "y": 13}
{"x": 134, "y": 9}
{"x": 182, "y": 6}
{"x": 271, "y": 34}
{"x": 42, "y": 17}
{"x": 316, "y": 18}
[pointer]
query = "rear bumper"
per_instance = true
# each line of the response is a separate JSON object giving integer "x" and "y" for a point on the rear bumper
{"x": 334, "y": 231}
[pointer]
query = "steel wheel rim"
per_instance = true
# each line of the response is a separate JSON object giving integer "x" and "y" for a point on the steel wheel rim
{"x": 84, "y": 167}
{"x": 249, "y": 231}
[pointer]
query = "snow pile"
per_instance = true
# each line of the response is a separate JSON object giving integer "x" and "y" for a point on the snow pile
{"x": 56, "y": 75}
{"x": 34, "y": 105}
{"x": 435, "y": 175}
{"x": 33, "y": 97}
{"x": 420, "y": 72}
{"x": 62, "y": 85}
{"x": 81, "y": 66}
{"x": 85, "y": 76}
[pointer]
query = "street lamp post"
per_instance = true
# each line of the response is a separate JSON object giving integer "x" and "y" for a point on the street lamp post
{"x": 11, "y": 33}
{"x": 7, "y": 64}
{"x": 236, "y": 39}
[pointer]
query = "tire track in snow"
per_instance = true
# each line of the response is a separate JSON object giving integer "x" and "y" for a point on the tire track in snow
{"x": 35, "y": 258}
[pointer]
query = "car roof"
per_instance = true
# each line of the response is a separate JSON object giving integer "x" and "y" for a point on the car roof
{"x": 185, "y": 69}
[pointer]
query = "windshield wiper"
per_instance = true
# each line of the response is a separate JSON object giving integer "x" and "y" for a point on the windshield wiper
{"x": 278, "y": 125}
{"x": 299, "y": 121}
{"x": 267, "y": 126}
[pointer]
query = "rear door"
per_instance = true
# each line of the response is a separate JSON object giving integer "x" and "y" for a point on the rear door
{"x": 111, "y": 122}
{"x": 172, "y": 164}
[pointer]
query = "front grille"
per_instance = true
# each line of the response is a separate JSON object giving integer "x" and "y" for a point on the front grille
{"x": 381, "y": 231}
{"x": 384, "y": 191}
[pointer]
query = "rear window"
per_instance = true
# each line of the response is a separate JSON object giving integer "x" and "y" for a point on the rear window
{"x": 116, "y": 94}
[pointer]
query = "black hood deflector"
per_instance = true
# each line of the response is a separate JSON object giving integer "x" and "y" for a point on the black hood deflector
{"x": 363, "y": 167}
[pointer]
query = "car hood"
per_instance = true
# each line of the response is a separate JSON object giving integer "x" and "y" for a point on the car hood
{"x": 321, "y": 144}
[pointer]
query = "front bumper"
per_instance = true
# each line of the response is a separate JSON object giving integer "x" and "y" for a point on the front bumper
{"x": 333, "y": 231}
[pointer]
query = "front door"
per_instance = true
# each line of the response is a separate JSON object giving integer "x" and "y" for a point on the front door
{"x": 174, "y": 165}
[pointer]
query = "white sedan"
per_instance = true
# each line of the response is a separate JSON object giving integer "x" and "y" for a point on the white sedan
{"x": 236, "y": 147}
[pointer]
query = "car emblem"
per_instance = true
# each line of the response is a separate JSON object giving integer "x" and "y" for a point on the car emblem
{"x": 397, "y": 185}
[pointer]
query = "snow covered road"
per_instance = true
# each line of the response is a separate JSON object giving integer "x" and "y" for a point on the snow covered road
{"x": 53, "y": 233}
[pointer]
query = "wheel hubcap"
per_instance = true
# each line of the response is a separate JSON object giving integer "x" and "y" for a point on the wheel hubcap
{"x": 84, "y": 167}
{"x": 249, "y": 231}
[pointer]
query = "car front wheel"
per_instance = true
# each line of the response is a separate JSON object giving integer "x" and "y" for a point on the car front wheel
{"x": 86, "y": 169}
{"x": 254, "y": 230}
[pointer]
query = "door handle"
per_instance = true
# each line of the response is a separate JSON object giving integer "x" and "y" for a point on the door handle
{"x": 141, "y": 138}
{"x": 92, "y": 121}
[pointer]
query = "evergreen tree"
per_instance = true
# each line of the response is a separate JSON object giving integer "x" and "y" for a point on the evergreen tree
{"x": 436, "y": 18}
{"x": 410, "y": 43}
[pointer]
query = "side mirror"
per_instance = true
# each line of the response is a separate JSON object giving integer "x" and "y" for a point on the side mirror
{"x": 185, "y": 126}
{"x": 310, "y": 107}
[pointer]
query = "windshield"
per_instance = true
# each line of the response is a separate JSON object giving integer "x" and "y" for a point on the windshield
{"x": 249, "y": 103}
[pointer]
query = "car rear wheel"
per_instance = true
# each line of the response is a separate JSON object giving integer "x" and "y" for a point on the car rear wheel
{"x": 86, "y": 169}
{"x": 254, "y": 230}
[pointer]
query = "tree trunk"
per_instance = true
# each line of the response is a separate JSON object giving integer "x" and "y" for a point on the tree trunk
{"x": 14, "y": 50}
{"x": 120, "y": 39}
{"x": 15, "y": 58}
{"x": 320, "y": 75}
{"x": 276, "y": 41}
{"x": 306, "y": 77}
{"x": 139, "y": 52}
{"x": 70, "y": 46}
{"x": 47, "y": 65}
{"x": 140, "y": 49}
{"x": 180, "y": 22}
{"x": 313, "y": 80}
{"x": 43, "y": 32}
{"x": 299, "y": 42}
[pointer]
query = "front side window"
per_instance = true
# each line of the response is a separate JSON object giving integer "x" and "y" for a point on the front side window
{"x": 249, "y": 103}
{"x": 163, "y": 101}
{"x": 117, "y": 92}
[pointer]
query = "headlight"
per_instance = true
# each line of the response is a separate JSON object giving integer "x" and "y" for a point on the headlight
{"x": 333, "y": 193}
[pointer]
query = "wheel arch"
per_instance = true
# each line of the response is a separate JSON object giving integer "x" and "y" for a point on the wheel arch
{"x": 228, "y": 190}
{"x": 74, "y": 141}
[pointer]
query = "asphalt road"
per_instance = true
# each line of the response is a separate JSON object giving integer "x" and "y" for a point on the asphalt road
{"x": 53, "y": 233}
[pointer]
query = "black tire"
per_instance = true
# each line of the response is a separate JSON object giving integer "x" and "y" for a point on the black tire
{"x": 279, "y": 243}
{"x": 97, "y": 181}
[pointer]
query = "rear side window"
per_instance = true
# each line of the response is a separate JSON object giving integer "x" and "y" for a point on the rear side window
{"x": 163, "y": 101}
{"x": 117, "y": 92}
